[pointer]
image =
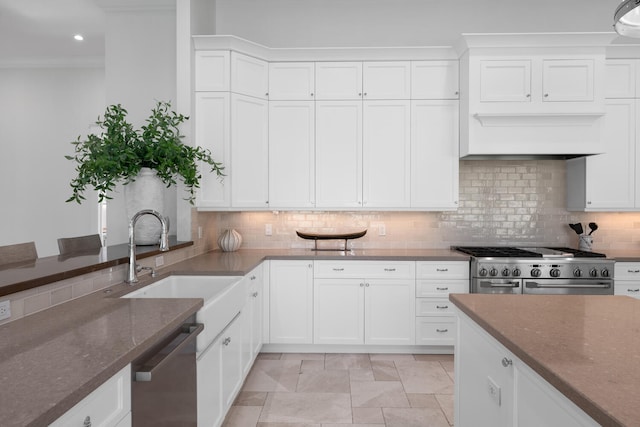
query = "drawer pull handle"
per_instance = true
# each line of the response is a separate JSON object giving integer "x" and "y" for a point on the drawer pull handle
{"x": 253, "y": 277}
{"x": 442, "y": 330}
{"x": 443, "y": 289}
{"x": 633, "y": 290}
{"x": 633, "y": 271}
{"x": 226, "y": 341}
{"x": 506, "y": 362}
{"x": 338, "y": 269}
{"x": 444, "y": 270}
{"x": 389, "y": 269}
{"x": 442, "y": 307}
{"x": 362, "y": 285}
{"x": 87, "y": 422}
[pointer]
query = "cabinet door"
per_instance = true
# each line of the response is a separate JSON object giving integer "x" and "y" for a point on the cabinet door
{"x": 338, "y": 80}
{"x": 209, "y": 368}
{"x": 386, "y": 80}
{"x": 338, "y": 311}
{"x": 339, "y": 154}
{"x": 291, "y": 302}
{"x": 610, "y": 177}
{"x": 291, "y": 81}
{"x": 291, "y": 154}
{"x": 434, "y": 155}
{"x": 567, "y": 80}
{"x": 212, "y": 70}
{"x": 386, "y": 154}
{"x": 620, "y": 78}
{"x": 249, "y": 76}
{"x": 389, "y": 311}
{"x": 249, "y": 171}
{"x": 434, "y": 80}
{"x": 505, "y": 80}
{"x": 212, "y": 120}
{"x": 231, "y": 361}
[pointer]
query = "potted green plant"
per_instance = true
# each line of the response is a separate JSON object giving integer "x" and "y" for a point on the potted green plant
{"x": 120, "y": 152}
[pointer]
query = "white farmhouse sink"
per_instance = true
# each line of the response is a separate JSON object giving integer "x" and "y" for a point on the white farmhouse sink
{"x": 223, "y": 298}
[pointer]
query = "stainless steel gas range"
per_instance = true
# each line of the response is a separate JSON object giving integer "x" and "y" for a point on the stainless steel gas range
{"x": 538, "y": 270}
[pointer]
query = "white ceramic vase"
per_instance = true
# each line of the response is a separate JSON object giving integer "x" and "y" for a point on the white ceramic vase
{"x": 230, "y": 240}
{"x": 146, "y": 192}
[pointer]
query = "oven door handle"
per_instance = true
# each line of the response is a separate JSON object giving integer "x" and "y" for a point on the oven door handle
{"x": 600, "y": 285}
{"x": 489, "y": 284}
{"x": 146, "y": 372}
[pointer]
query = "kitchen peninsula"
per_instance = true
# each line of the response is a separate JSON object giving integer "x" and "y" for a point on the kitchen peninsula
{"x": 585, "y": 349}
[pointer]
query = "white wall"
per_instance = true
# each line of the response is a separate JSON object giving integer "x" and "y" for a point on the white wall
{"x": 328, "y": 23}
{"x": 41, "y": 111}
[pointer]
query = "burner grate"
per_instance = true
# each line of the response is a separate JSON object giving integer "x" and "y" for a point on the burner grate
{"x": 496, "y": 252}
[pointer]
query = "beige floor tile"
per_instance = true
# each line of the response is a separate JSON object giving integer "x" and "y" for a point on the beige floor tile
{"x": 242, "y": 416}
{"x": 446, "y": 404}
{"x": 307, "y": 408}
{"x": 378, "y": 394}
{"x": 449, "y": 367}
{"x": 424, "y": 377}
{"x": 361, "y": 375}
{"x": 303, "y": 356}
{"x": 414, "y": 417}
{"x": 250, "y": 398}
{"x": 269, "y": 356}
{"x": 367, "y": 416}
{"x": 312, "y": 365}
{"x": 352, "y": 425}
{"x": 289, "y": 425}
{"x": 324, "y": 381}
{"x": 380, "y": 356}
{"x": 347, "y": 361}
{"x": 273, "y": 375}
{"x": 422, "y": 400}
{"x": 384, "y": 370}
{"x": 433, "y": 357}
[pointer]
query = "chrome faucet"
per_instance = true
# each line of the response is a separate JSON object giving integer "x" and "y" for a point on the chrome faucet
{"x": 132, "y": 274}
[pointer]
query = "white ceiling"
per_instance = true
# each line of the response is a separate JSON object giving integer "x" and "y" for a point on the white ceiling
{"x": 44, "y": 29}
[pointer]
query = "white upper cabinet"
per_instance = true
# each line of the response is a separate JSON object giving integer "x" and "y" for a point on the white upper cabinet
{"x": 212, "y": 71}
{"x": 338, "y": 154}
{"x": 386, "y": 154}
{"x": 338, "y": 80}
{"x": 505, "y": 81}
{"x": 435, "y": 80}
{"x": 434, "y": 155}
{"x": 291, "y": 154}
{"x": 249, "y": 169}
{"x": 566, "y": 80}
{"x": 212, "y": 122}
{"x": 249, "y": 76}
{"x": 291, "y": 81}
{"x": 386, "y": 80}
{"x": 621, "y": 78}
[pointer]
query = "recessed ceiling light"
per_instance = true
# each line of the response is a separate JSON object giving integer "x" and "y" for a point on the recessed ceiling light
{"x": 78, "y": 37}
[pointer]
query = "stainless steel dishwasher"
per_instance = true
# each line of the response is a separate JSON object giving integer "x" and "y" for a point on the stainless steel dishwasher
{"x": 164, "y": 383}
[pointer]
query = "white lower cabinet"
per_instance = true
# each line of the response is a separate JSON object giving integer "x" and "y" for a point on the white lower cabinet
{"x": 364, "y": 303}
{"x": 627, "y": 279}
{"x": 291, "y": 302}
{"x": 108, "y": 405}
{"x": 435, "y": 319}
{"x": 495, "y": 388}
{"x": 252, "y": 319}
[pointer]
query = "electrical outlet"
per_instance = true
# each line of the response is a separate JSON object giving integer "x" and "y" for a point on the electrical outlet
{"x": 382, "y": 230}
{"x": 268, "y": 230}
{"x": 494, "y": 390}
{"x": 199, "y": 232}
{"x": 5, "y": 309}
{"x": 159, "y": 261}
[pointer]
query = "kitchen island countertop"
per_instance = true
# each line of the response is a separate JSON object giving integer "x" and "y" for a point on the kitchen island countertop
{"x": 587, "y": 347}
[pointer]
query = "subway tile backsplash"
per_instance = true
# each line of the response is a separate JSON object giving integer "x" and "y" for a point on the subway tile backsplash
{"x": 501, "y": 202}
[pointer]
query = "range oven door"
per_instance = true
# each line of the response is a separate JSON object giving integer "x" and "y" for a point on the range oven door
{"x": 568, "y": 287}
{"x": 496, "y": 286}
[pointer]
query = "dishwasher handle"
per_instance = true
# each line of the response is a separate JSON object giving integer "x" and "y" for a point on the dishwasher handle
{"x": 189, "y": 333}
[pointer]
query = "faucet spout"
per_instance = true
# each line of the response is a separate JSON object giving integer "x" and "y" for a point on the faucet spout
{"x": 132, "y": 274}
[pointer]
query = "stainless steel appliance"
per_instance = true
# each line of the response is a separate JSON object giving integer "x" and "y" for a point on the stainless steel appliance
{"x": 164, "y": 386}
{"x": 538, "y": 270}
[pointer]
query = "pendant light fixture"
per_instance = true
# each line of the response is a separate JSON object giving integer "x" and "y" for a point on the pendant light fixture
{"x": 626, "y": 20}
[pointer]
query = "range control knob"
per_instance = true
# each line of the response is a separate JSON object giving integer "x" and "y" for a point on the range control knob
{"x": 593, "y": 272}
{"x": 577, "y": 273}
{"x": 516, "y": 272}
{"x": 482, "y": 272}
{"x": 505, "y": 271}
{"x": 535, "y": 272}
{"x": 605, "y": 272}
{"x": 555, "y": 272}
{"x": 493, "y": 271}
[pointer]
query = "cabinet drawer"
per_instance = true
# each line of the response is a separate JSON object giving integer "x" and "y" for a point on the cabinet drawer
{"x": 365, "y": 269}
{"x": 105, "y": 406}
{"x": 442, "y": 269}
{"x": 627, "y": 270}
{"x": 435, "y": 330}
{"x": 631, "y": 289}
{"x": 441, "y": 288}
{"x": 433, "y": 307}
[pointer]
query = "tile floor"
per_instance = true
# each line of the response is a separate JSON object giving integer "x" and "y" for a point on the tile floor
{"x": 337, "y": 390}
